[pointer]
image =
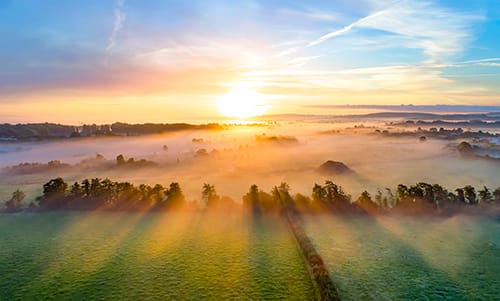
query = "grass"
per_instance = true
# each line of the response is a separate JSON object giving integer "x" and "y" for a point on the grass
{"x": 134, "y": 256}
{"x": 392, "y": 258}
{"x": 215, "y": 256}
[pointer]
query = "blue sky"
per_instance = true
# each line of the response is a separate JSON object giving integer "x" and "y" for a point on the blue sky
{"x": 140, "y": 54}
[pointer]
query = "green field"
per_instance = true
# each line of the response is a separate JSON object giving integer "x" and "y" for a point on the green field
{"x": 410, "y": 258}
{"x": 216, "y": 256}
{"x": 134, "y": 256}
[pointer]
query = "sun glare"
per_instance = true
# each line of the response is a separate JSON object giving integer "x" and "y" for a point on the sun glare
{"x": 242, "y": 103}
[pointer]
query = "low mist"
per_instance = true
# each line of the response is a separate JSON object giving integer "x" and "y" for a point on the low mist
{"x": 235, "y": 158}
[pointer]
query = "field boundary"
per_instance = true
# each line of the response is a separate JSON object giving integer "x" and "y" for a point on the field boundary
{"x": 324, "y": 287}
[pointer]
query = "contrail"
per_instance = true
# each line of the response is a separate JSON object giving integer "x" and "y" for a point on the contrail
{"x": 120, "y": 17}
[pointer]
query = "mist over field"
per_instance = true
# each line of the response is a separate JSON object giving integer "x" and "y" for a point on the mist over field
{"x": 239, "y": 156}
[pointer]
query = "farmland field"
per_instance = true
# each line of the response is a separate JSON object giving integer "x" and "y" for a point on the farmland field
{"x": 134, "y": 256}
{"x": 393, "y": 258}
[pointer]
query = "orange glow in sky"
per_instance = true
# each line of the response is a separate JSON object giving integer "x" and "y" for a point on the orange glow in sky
{"x": 177, "y": 64}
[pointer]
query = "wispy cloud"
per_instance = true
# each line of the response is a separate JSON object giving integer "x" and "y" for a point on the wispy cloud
{"x": 438, "y": 31}
{"x": 300, "y": 61}
{"x": 119, "y": 19}
{"x": 490, "y": 64}
{"x": 199, "y": 52}
{"x": 286, "y": 52}
{"x": 310, "y": 14}
{"x": 485, "y": 60}
{"x": 343, "y": 30}
{"x": 388, "y": 77}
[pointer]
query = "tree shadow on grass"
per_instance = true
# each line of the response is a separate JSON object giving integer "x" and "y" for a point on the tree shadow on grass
{"x": 29, "y": 243}
{"x": 133, "y": 277}
{"x": 93, "y": 283}
{"x": 259, "y": 258}
{"x": 393, "y": 269}
{"x": 267, "y": 267}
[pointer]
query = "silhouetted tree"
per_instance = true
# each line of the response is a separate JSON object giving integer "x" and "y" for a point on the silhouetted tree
{"x": 209, "y": 195}
{"x": 496, "y": 195}
{"x": 54, "y": 194}
{"x": 485, "y": 195}
{"x": 470, "y": 194}
{"x": 402, "y": 192}
{"x": 390, "y": 199}
{"x": 127, "y": 196}
{"x": 366, "y": 203}
{"x": 282, "y": 197}
{"x": 76, "y": 190}
{"x": 319, "y": 194}
{"x": 332, "y": 196}
{"x": 335, "y": 193}
{"x": 460, "y": 195}
{"x": 120, "y": 160}
{"x": 251, "y": 199}
{"x": 379, "y": 199}
{"x": 15, "y": 202}
{"x": 157, "y": 194}
{"x": 428, "y": 192}
{"x": 175, "y": 197}
{"x": 441, "y": 195}
{"x": 259, "y": 201}
{"x": 86, "y": 187}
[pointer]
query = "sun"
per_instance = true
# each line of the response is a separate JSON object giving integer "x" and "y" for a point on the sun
{"x": 242, "y": 103}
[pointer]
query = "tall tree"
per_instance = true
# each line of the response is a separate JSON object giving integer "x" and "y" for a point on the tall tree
{"x": 470, "y": 194}
{"x": 485, "y": 195}
{"x": 496, "y": 195}
{"x": 15, "y": 202}
{"x": 318, "y": 194}
{"x": 209, "y": 195}
{"x": 251, "y": 199}
{"x": 282, "y": 197}
{"x": 54, "y": 194}
{"x": 120, "y": 160}
{"x": 76, "y": 190}
{"x": 175, "y": 197}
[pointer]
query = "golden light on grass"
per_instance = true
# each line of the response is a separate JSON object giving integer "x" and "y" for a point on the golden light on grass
{"x": 242, "y": 103}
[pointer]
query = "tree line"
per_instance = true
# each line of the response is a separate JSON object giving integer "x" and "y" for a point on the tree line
{"x": 43, "y": 131}
{"x": 104, "y": 194}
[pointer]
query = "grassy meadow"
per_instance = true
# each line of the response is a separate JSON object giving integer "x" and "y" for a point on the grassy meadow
{"x": 390, "y": 258}
{"x": 136, "y": 256}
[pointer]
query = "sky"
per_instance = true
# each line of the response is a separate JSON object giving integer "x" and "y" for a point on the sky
{"x": 161, "y": 61}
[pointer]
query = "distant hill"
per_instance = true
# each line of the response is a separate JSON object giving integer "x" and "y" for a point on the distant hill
{"x": 494, "y": 116}
{"x": 415, "y": 108}
{"x": 333, "y": 168}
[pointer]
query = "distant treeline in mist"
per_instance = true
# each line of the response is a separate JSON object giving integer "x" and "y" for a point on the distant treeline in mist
{"x": 44, "y": 131}
{"x": 441, "y": 133}
{"x": 93, "y": 163}
{"x": 442, "y": 123}
{"x": 104, "y": 194}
